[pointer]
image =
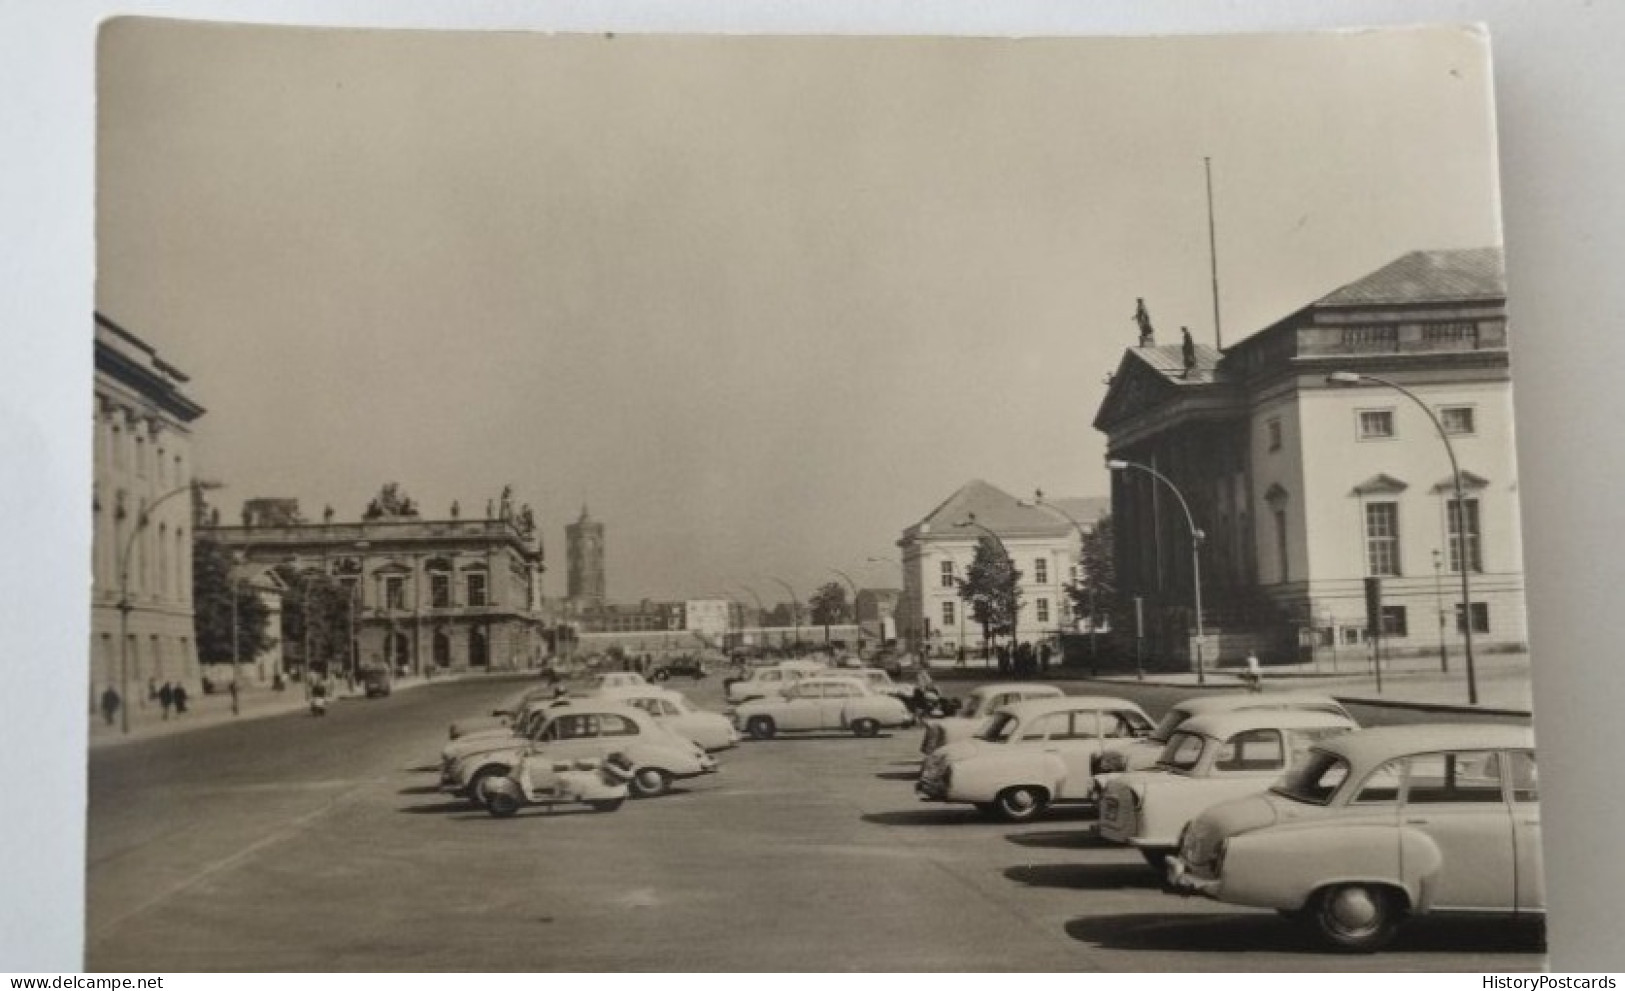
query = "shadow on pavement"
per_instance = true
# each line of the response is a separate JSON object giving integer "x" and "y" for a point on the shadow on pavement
{"x": 1062, "y": 839}
{"x": 1086, "y": 877}
{"x": 423, "y": 769}
{"x": 439, "y": 808}
{"x": 419, "y": 790}
{"x": 898, "y": 775}
{"x": 1197, "y": 932}
{"x": 927, "y": 817}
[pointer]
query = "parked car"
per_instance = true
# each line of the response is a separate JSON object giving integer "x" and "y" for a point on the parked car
{"x": 769, "y": 680}
{"x": 670, "y": 709}
{"x": 1209, "y": 759}
{"x": 376, "y": 683}
{"x": 877, "y": 680}
{"x": 595, "y": 730}
{"x": 503, "y": 714}
{"x": 687, "y": 667}
{"x": 1135, "y": 755}
{"x": 528, "y": 726}
{"x": 615, "y": 679}
{"x": 981, "y": 703}
{"x": 825, "y": 702}
{"x": 1030, "y": 755}
{"x": 1376, "y": 826}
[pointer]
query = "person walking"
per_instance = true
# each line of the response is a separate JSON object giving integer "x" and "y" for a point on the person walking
{"x": 110, "y": 704}
{"x": 166, "y": 698}
{"x": 1254, "y": 675}
{"x": 180, "y": 699}
{"x": 1044, "y": 654}
{"x": 234, "y": 701}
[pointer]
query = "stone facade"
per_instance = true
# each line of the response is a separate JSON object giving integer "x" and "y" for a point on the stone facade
{"x": 141, "y": 520}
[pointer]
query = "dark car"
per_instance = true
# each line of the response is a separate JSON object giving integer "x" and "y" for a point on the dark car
{"x": 690, "y": 666}
{"x": 376, "y": 682}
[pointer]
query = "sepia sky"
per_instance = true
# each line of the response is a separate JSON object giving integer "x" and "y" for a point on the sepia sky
{"x": 761, "y": 302}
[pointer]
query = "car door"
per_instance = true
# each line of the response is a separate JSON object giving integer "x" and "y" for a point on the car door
{"x": 832, "y": 707}
{"x": 572, "y": 735}
{"x": 801, "y": 708}
{"x": 1529, "y": 869}
{"x": 1455, "y": 798}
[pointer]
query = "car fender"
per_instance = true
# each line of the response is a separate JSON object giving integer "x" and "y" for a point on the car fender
{"x": 473, "y": 764}
{"x": 980, "y": 778}
{"x": 1169, "y": 801}
{"x": 1281, "y": 867}
{"x": 1422, "y": 861}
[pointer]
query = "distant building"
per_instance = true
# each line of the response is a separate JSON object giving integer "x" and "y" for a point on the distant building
{"x": 938, "y": 549}
{"x": 712, "y": 619}
{"x": 143, "y": 460}
{"x": 1303, "y": 489}
{"x": 876, "y": 610}
{"x": 443, "y": 595}
{"x": 584, "y": 541}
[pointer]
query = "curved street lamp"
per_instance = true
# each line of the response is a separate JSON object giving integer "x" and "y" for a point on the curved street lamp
{"x": 1355, "y": 378}
{"x": 795, "y": 607}
{"x": 1115, "y": 464}
{"x": 856, "y": 620}
{"x": 125, "y": 605}
{"x": 1015, "y": 613}
{"x": 761, "y": 614}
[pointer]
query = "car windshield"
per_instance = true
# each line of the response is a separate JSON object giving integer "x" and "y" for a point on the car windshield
{"x": 1182, "y": 752}
{"x": 998, "y": 729}
{"x": 1315, "y": 780}
{"x": 1170, "y": 722}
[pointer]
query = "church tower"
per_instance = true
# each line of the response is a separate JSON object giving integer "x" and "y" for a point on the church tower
{"x": 585, "y": 540}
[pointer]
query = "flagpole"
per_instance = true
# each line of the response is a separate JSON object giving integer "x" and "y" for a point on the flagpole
{"x": 1213, "y": 253}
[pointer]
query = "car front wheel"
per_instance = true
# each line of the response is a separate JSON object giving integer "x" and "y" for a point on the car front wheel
{"x": 1356, "y": 918}
{"x": 1023, "y": 803}
{"x": 476, "y": 786}
{"x": 865, "y": 727}
{"x": 761, "y": 728}
{"x": 648, "y": 782}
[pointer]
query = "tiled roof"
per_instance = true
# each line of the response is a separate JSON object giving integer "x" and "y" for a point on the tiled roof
{"x": 1168, "y": 360}
{"x": 1000, "y": 512}
{"x": 1426, "y": 277}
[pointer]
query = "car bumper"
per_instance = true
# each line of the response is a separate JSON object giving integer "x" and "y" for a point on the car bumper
{"x": 1181, "y": 880}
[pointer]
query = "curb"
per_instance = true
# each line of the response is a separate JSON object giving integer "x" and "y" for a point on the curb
{"x": 1479, "y": 710}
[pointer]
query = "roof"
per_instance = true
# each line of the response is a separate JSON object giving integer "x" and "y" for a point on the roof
{"x": 1224, "y": 725}
{"x": 1373, "y": 746}
{"x": 1025, "y": 687}
{"x": 1168, "y": 361}
{"x": 1030, "y": 708}
{"x": 1203, "y": 704}
{"x": 1005, "y": 515}
{"x": 1427, "y": 277}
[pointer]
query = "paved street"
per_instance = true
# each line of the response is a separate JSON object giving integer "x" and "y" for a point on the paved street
{"x": 292, "y": 843}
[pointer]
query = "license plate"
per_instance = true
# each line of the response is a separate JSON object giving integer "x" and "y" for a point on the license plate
{"x": 1108, "y": 809}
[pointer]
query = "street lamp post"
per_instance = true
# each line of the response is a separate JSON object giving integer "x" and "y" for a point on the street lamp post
{"x": 760, "y": 614}
{"x": 1438, "y": 606}
{"x": 857, "y": 621}
{"x": 143, "y": 517}
{"x": 1115, "y": 464}
{"x": 1355, "y": 378}
{"x": 795, "y": 607}
{"x": 970, "y": 520}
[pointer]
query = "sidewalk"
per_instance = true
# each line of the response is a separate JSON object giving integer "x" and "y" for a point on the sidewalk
{"x": 255, "y": 702}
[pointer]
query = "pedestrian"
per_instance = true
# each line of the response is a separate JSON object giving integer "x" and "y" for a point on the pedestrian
{"x": 959, "y": 657}
{"x": 110, "y": 704}
{"x": 234, "y": 707}
{"x": 1254, "y": 677}
{"x": 180, "y": 699}
{"x": 1024, "y": 660}
{"x": 1044, "y": 654}
{"x": 166, "y": 698}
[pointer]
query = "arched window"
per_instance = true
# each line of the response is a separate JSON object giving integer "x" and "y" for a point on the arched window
{"x": 479, "y": 647}
{"x": 442, "y": 648}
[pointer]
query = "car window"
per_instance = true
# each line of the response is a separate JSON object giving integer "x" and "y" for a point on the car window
{"x": 1466, "y": 776}
{"x": 840, "y": 691}
{"x": 1525, "y": 783}
{"x": 651, "y": 706}
{"x": 668, "y": 708}
{"x": 1055, "y": 724}
{"x": 1381, "y": 787}
{"x": 610, "y": 724}
{"x": 1253, "y": 750}
{"x": 1170, "y": 722}
{"x": 970, "y": 707}
{"x": 999, "y": 728}
{"x": 769, "y": 676}
{"x": 1183, "y": 751}
{"x": 1129, "y": 723}
{"x": 573, "y": 727}
{"x": 1316, "y": 779}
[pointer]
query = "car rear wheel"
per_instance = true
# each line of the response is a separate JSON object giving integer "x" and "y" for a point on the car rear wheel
{"x": 501, "y": 804}
{"x": 1022, "y": 803}
{"x": 865, "y": 727}
{"x": 761, "y": 728}
{"x": 649, "y": 781}
{"x": 1356, "y": 918}
{"x": 661, "y": 675}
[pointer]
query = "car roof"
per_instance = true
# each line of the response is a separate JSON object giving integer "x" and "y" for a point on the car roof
{"x": 1224, "y": 725}
{"x": 1250, "y": 700}
{"x": 640, "y": 691}
{"x": 1029, "y": 708}
{"x": 1384, "y": 743}
{"x": 598, "y": 707}
{"x": 839, "y": 679}
{"x": 1024, "y": 687}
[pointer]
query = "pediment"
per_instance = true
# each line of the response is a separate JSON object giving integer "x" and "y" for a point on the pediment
{"x": 1133, "y": 391}
{"x": 1380, "y": 484}
{"x": 1469, "y": 483}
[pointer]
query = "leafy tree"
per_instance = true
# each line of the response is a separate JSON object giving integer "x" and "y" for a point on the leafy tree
{"x": 829, "y": 606}
{"x": 391, "y": 500}
{"x": 1094, "y": 594}
{"x": 782, "y": 614}
{"x": 992, "y": 589}
{"x": 213, "y": 593}
{"x": 316, "y": 615}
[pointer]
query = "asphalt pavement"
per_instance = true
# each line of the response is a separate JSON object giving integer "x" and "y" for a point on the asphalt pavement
{"x": 290, "y": 842}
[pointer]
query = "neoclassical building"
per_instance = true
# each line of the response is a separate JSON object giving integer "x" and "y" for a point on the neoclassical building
{"x": 427, "y": 595}
{"x": 143, "y": 452}
{"x": 1303, "y": 487}
{"x": 938, "y": 549}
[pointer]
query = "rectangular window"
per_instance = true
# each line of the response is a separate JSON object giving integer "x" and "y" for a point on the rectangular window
{"x": 1283, "y": 558}
{"x": 1481, "y": 617}
{"x": 1382, "y": 538}
{"x": 947, "y": 574}
{"x": 1466, "y": 510}
{"x": 395, "y": 593}
{"x": 1376, "y": 424}
{"x": 1041, "y": 571}
{"x": 1353, "y": 635}
{"x": 1456, "y": 420}
{"x": 1457, "y": 332}
{"x": 1394, "y": 621}
{"x": 440, "y": 591}
{"x": 476, "y": 589}
{"x": 1273, "y": 428}
{"x": 1041, "y": 606}
{"x": 947, "y": 614}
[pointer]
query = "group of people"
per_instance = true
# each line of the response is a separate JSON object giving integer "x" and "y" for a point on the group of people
{"x": 168, "y": 696}
{"x": 1025, "y": 660}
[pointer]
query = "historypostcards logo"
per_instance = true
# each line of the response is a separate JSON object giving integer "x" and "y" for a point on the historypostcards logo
{"x": 1544, "y": 982}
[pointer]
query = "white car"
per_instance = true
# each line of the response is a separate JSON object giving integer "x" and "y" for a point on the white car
{"x": 981, "y": 703}
{"x": 1209, "y": 759}
{"x": 615, "y": 679}
{"x": 1135, "y": 755}
{"x": 593, "y": 729}
{"x": 825, "y": 702}
{"x": 503, "y": 714}
{"x": 1030, "y": 755}
{"x": 670, "y": 709}
{"x": 771, "y": 679}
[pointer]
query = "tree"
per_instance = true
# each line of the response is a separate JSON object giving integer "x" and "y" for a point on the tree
{"x": 315, "y": 620}
{"x": 1094, "y": 594}
{"x": 213, "y": 592}
{"x": 829, "y": 606}
{"x": 992, "y": 589}
{"x": 390, "y": 501}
